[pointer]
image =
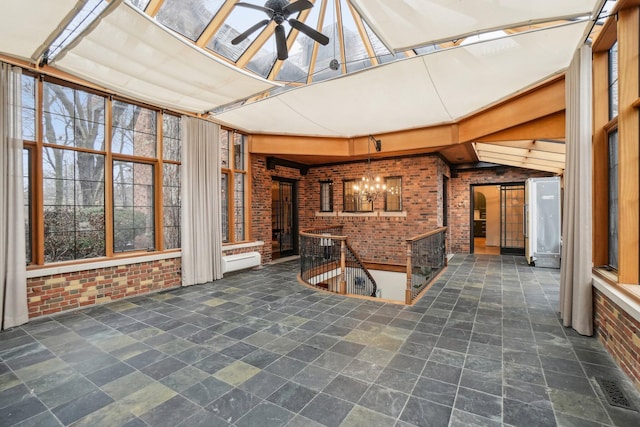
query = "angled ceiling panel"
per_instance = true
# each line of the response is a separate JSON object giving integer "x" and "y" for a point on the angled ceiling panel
{"x": 421, "y": 91}
{"x": 130, "y": 53}
{"x": 526, "y": 154}
{"x": 25, "y": 25}
{"x": 404, "y": 24}
{"x": 395, "y": 96}
{"x": 472, "y": 76}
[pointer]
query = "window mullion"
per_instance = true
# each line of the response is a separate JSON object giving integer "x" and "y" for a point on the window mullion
{"x": 158, "y": 184}
{"x": 108, "y": 180}
{"x": 38, "y": 180}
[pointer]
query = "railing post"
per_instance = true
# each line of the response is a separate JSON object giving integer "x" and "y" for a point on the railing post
{"x": 343, "y": 267}
{"x": 407, "y": 293}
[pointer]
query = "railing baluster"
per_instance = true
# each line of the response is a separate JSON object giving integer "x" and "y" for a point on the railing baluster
{"x": 326, "y": 258}
{"x": 426, "y": 256}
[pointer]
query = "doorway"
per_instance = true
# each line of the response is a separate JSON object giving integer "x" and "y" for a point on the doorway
{"x": 284, "y": 218}
{"x": 512, "y": 219}
{"x": 497, "y": 219}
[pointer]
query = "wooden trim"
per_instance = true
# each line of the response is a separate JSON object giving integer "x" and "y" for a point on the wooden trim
{"x": 600, "y": 188}
{"x": 214, "y": 25}
{"x": 542, "y": 101}
{"x": 316, "y": 46}
{"x": 425, "y": 235}
{"x": 158, "y": 208}
{"x": 37, "y": 179}
{"x": 364, "y": 36}
{"x": 343, "y": 53}
{"x": 394, "y": 268}
{"x": 607, "y": 36}
{"x": 108, "y": 180}
{"x": 153, "y": 7}
{"x": 629, "y": 149}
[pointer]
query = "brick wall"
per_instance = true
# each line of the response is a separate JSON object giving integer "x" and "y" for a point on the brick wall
{"x": 381, "y": 238}
{"x": 60, "y": 292}
{"x": 460, "y": 199}
{"x": 619, "y": 333}
{"x": 261, "y": 180}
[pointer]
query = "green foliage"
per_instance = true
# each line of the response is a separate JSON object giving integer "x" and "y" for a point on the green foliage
{"x": 73, "y": 233}
{"x": 130, "y": 230}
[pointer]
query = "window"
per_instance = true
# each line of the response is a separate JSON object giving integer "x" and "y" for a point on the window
{"x": 233, "y": 184}
{"x": 80, "y": 160}
{"x": 171, "y": 156}
{"x": 73, "y": 158}
{"x": 326, "y": 196}
{"x": 613, "y": 81}
{"x": 352, "y": 201}
{"x": 28, "y": 115}
{"x": 26, "y": 185}
{"x": 393, "y": 195}
{"x": 613, "y": 199}
{"x": 133, "y": 193}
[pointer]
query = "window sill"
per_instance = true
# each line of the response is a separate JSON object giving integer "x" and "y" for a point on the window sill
{"x": 627, "y": 297}
{"x": 380, "y": 214}
{"x": 82, "y": 265}
{"x": 326, "y": 214}
{"x": 234, "y": 246}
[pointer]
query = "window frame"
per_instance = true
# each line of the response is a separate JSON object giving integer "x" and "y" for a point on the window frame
{"x": 359, "y": 205}
{"x": 386, "y": 194}
{"x": 231, "y": 174}
{"x": 326, "y": 196}
{"x": 613, "y": 199}
{"x": 36, "y": 177}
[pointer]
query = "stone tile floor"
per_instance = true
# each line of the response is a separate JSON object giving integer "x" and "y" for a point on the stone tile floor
{"x": 482, "y": 348}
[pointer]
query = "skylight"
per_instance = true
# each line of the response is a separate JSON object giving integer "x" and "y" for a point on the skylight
{"x": 85, "y": 16}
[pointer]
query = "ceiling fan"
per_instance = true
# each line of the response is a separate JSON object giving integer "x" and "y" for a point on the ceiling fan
{"x": 279, "y": 11}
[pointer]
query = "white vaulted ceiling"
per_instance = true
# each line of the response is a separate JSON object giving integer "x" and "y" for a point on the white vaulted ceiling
{"x": 439, "y": 87}
{"x": 403, "y": 64}
{"x": 404, "y": 24}
{"x": 130, "y": 53}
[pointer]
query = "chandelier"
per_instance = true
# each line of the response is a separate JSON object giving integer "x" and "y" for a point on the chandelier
{"x": 370, "y": 186}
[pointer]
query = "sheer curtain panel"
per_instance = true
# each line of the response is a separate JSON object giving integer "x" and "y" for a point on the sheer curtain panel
{"x": 200, "y": 202}
{"x": 575, "y": 276}
{"x": 13, "y": 293}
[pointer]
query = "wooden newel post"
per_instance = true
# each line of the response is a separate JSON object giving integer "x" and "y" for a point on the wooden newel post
{"x": 343, "y": 267}
{"x": 407, "y": 293}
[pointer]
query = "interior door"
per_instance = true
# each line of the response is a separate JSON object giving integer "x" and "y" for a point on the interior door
{"x": 284, "y": 220}
{"x": 512, "y": 221}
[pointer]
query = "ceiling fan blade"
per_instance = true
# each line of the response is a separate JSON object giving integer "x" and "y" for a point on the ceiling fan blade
{"x": 297, "y": 6}
{"x": 304, "y": 28}
{"x": 256, "y": 7}
{"x": 247, "y": 33}
{"x": 281, "y": 43}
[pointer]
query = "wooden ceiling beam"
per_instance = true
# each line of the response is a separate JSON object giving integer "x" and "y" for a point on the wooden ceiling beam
{"x": 542, "y": 101}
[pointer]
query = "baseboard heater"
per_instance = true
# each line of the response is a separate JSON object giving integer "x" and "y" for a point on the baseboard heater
{"x": 240, "y": 261}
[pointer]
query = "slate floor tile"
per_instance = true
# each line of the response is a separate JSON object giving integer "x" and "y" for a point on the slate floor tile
{"x": 265, "y": 414}
{"x": 346, "y": 388}
{"x": 233, "y": 405}
{"x": 24, "y": 408}
{"x": 317, "y": 410}
{"x": 82, "y": 406}
{"x": 485, "y": 339}
{"x": 170, "y": 413}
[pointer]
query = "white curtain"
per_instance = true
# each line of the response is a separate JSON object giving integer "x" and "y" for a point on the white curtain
{"x": 200, "y": 202}
{"x": 575, "y": 279}
{"x": 13, "y": 274}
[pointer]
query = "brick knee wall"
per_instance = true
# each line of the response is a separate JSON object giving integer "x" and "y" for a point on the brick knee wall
{"x": 61, "y": 292}
{"x": 619, "y": 333}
